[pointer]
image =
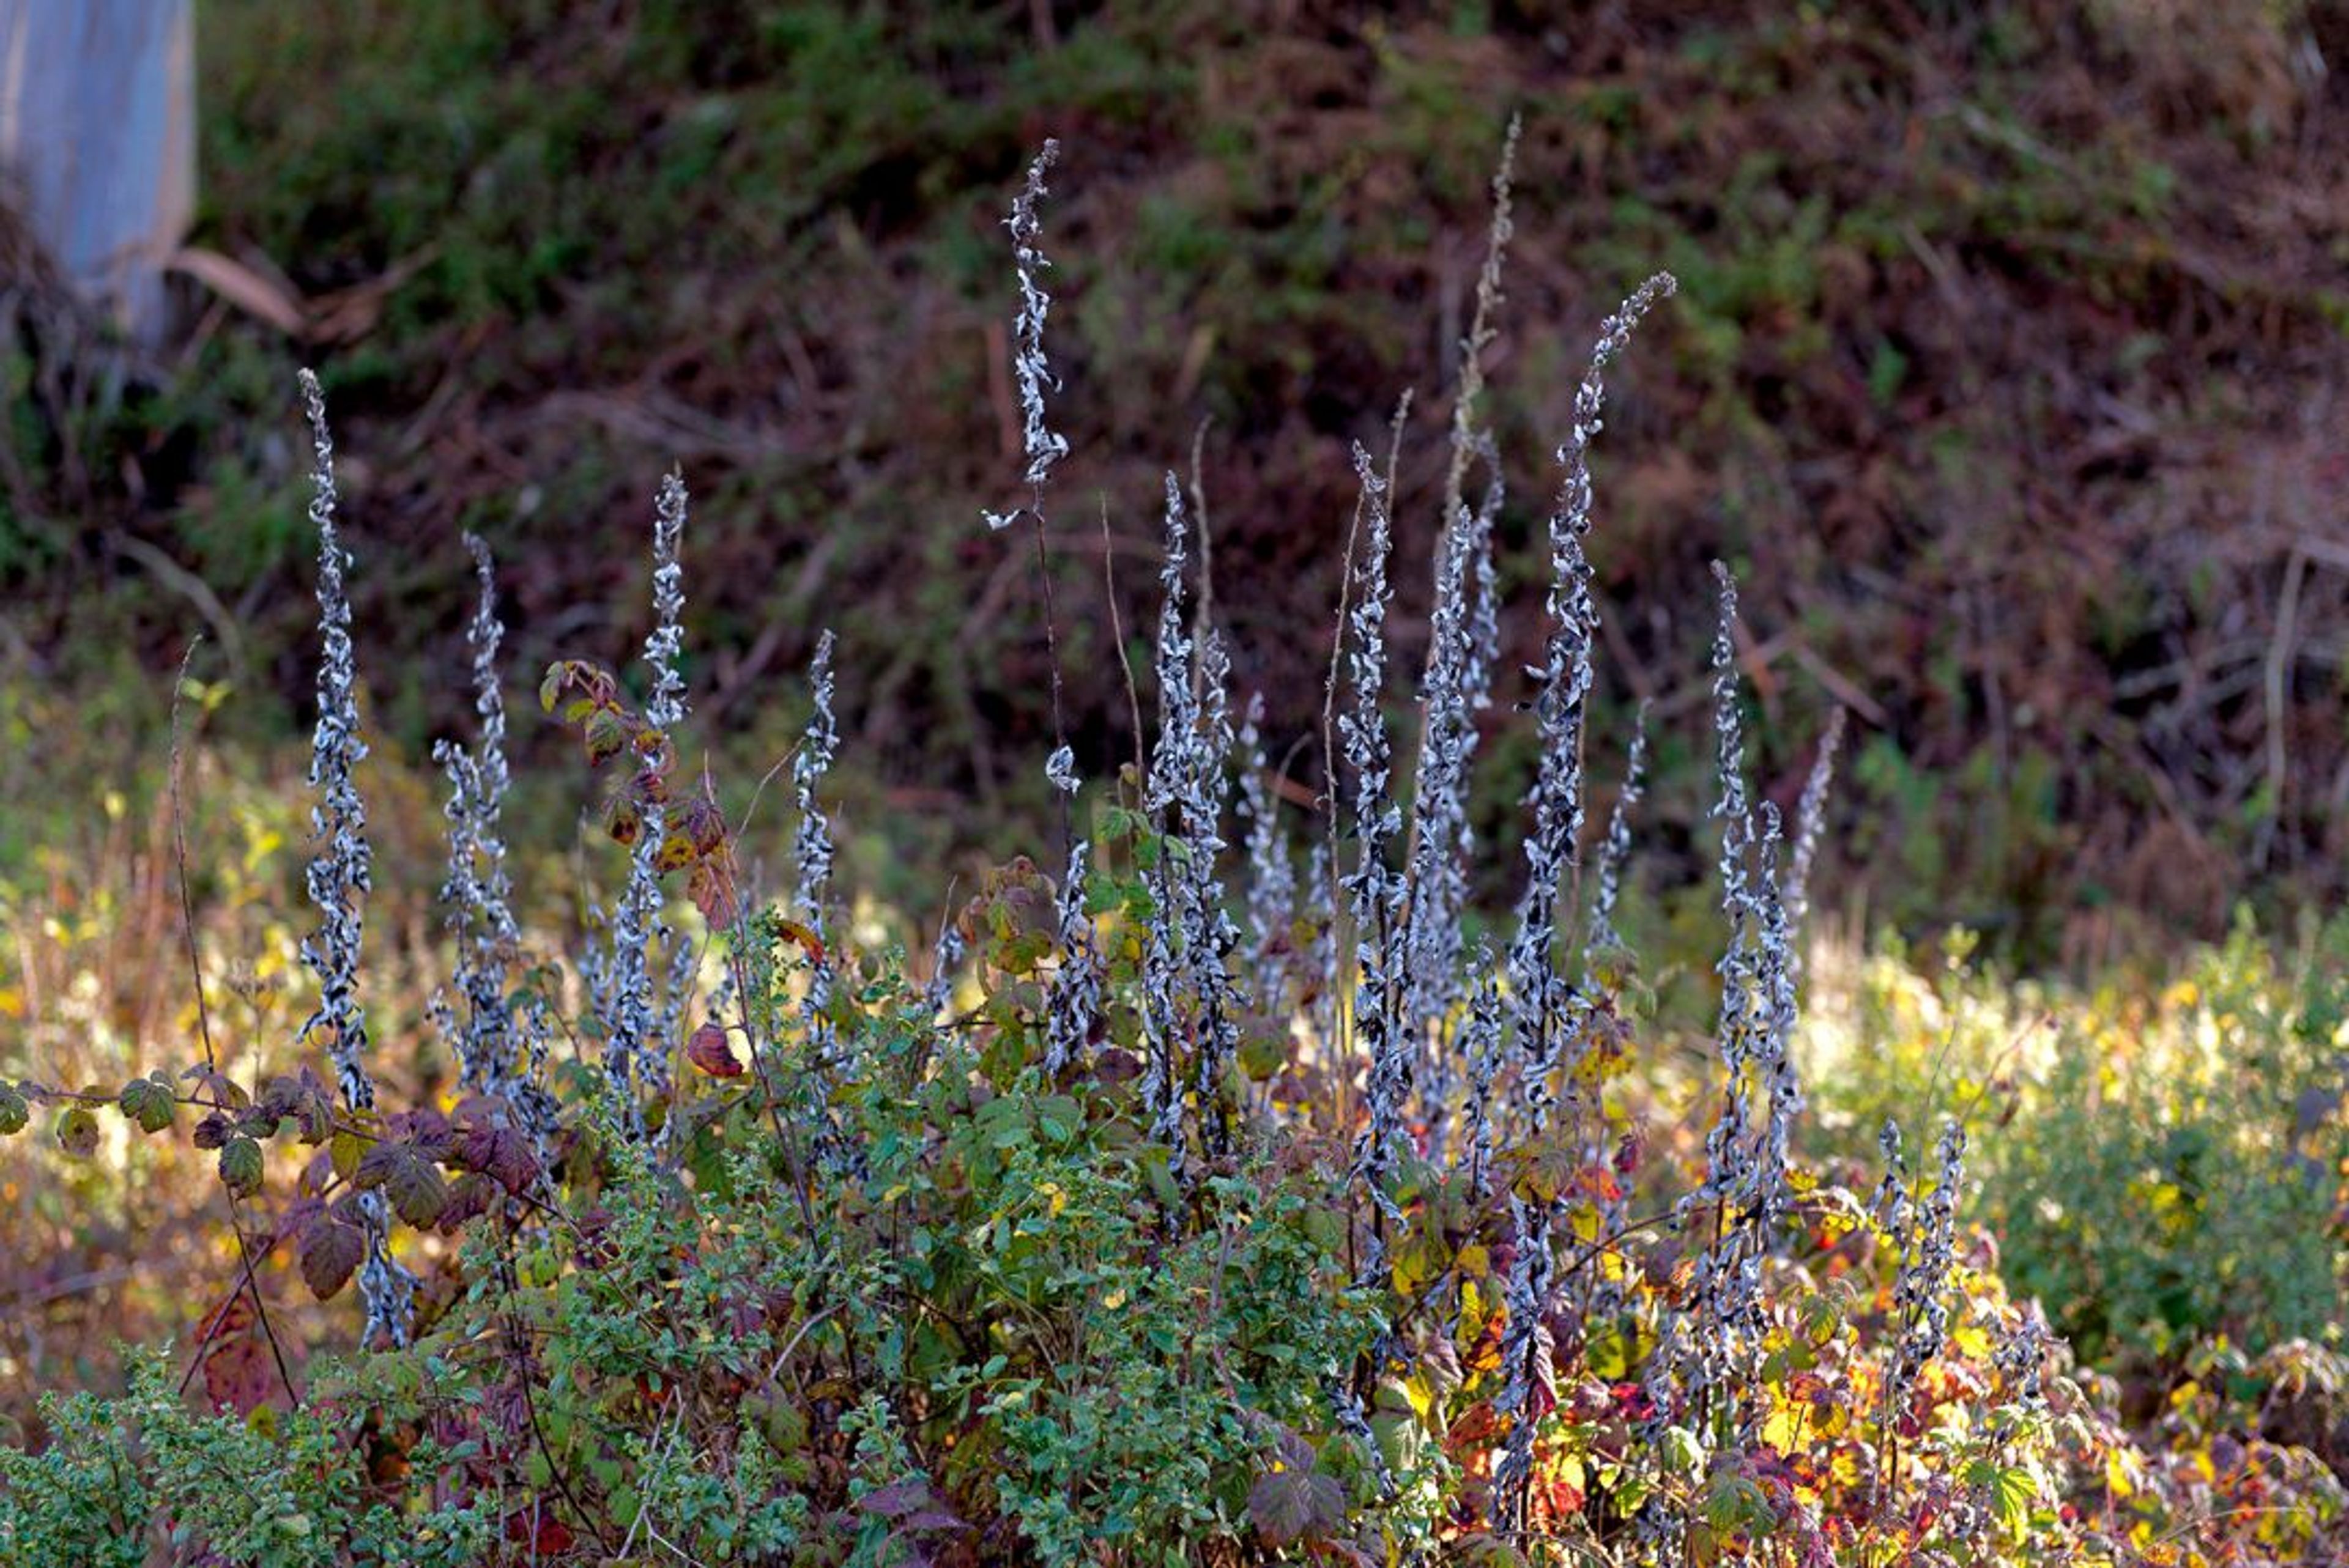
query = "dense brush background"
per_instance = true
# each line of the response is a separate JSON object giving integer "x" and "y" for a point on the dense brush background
{"x": 2006, "y": 370}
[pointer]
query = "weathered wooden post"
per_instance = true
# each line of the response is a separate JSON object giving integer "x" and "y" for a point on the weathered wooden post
{"x": 98, "y": 137}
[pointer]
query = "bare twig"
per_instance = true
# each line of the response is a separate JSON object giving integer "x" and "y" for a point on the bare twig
{"x": 204, "y": 1033}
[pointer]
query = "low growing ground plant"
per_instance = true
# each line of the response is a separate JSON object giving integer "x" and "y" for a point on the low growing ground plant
{"x": 1185, "y": 1206}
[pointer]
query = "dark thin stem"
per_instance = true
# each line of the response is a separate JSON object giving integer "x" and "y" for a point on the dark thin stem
{"x": 1117, "y": 635}
{"x": 1052, "y": 654}
{"x": 204, "y": 1027}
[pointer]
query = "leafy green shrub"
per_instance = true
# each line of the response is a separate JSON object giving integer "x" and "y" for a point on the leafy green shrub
{"x": 2169, "y": 1168}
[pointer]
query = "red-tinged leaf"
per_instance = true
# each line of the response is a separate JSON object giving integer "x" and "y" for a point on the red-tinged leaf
{"x": 708, "y": 1049}
{"x": 712, "y": 890}
{"x": 1288, "y": 1505}
{"x": 793, "y": 931}
{"x": 238, "y": 1372}
{"x": 78, "y": 1132}
{"x": 218, "y": 1086}
{"x": 624, "y": 819}
{"x": 431, "y": 1133}
{"x": 214, "y": 1129}
{"x": 1599, "y": 1183}
{"x": 1116, "y": 1066}
{"x": 592, "y": 682}
{"x": 705, "y": 826}
{"x": 933, "y": 1518}
{"x": 538, "y": 1531}
{"x": 898, "y": 1499}
{"x": 329, "y": 1251}
{"x": 418, "y": 1192}
{"x": 471, "y": 1196}
{"x": 502, "y": 1152}
{"x": 301, "y": 1099}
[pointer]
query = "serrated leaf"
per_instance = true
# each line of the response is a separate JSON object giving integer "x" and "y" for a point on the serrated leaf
{"x": 711, "y": 889}
{"x": 329, "y": 1251}
{"x": 149, "y": 1103}
{"x": 705, "y": 826}
{"x": 606, "y": 735}
{"x": 1287, "y": 1505}
{"x": 344, "y": 1152}
{"x": 471, "y": 1196}
{"x": 1683, "y": 1451}
{"x": 240, "y": 1166}
{"x": 898, "y": 1499}
{"x": 225, "y": 1091}
{"x": 503, "y": 1153}
{"x": 14, "y": 1112}
{"x": 78, "y": 1132}
{"x": 418, "y": 1191}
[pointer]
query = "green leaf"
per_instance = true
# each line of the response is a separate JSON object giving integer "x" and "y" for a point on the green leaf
{"x": 1683, "y": 1451}
{"x": 2011, "y": 1491}
{"x": 14, "y": 1112}
{"x": 240, "y": 1166}
{"x": 78, "y": 1132}
{"x": 414, "y": 1184}
{"x": 148, "y": 1102}
{"x": 608, "y": 735}
{"x": 1059, "y": 1118}
{"x": 1264, "y": 1050}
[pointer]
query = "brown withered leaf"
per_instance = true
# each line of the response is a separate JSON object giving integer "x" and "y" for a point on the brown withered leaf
{"x": 708, "y": 1049}
{"x": 793, "y": 931}
{"x": 711, "y": 889}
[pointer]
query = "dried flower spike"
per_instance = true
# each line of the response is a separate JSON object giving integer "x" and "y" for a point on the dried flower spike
{"x": 1033, "y": 372}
